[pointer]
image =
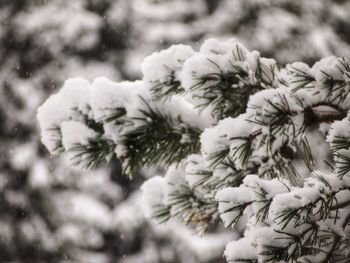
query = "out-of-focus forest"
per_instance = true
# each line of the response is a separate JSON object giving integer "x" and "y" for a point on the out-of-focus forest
{"x": 50, "y": 212}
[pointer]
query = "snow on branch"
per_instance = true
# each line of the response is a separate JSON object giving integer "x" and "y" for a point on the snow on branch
{"x": 264, "y": 148}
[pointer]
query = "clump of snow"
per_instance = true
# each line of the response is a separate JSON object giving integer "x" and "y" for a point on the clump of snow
{"x": 107, "y": 96}
{"x": 75, "y": 94}
{"x": 75, "y": 133}
{"x": 153, "y": 195}
{"x": 161, "y": 67}
{"x": 241, "y": 250}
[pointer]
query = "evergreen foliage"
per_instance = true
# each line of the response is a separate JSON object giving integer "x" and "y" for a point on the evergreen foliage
{"x": 244, "y": 140}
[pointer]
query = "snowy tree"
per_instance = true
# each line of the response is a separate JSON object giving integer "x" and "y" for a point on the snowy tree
{"x": 262, "y": 147}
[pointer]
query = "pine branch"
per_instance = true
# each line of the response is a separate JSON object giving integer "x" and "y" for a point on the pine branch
{"x": 92, "y": 154}
{"x": 115, "y": 116}
{"x": 256, "y": 135}
{"x": 165, "y": 90}
{"x": 158, "y": 140}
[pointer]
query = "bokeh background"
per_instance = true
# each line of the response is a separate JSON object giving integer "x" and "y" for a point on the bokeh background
{"x": 51, "y": 212}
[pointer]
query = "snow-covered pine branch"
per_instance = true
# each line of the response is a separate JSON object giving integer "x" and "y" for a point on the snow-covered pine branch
{"x": 264, "y": 148}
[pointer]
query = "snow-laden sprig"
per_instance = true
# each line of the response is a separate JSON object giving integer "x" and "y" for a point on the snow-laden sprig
{"x": 303, "y": 221}
{"x": 223, "y": 75}
{"x": 68, "y": 125}
{"x": 327, "y": 81}
{"x": 153, "y": 197}
{"x": 125, "y": 119}
{"x": 159, "y": 135}
{"x": 161, "y": 71}
{"x": 276, "y": 138}
{"x": 251, "y": 199}
{"x": 339, "y": 140}
{"x": 266, "y": 142}
{"x": 177, "y": 199}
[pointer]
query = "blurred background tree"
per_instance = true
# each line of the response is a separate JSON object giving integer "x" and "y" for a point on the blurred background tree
{"x": 52, "y": 213}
